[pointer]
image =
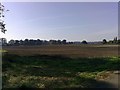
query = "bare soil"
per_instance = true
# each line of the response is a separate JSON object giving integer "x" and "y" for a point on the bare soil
{"x": 65, "y": 50}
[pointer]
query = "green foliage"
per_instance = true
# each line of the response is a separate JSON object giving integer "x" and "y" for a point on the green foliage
{"x": 42, "y": 71}
{"x": 84, "y": 42}
{"x": 104, "y": 41}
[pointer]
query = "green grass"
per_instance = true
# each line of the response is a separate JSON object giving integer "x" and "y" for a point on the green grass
{"x": 1, "y": 50}
{"x": 42, "y": 71}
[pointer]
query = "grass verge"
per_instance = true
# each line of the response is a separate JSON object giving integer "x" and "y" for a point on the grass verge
{"x": 43, "y": 71}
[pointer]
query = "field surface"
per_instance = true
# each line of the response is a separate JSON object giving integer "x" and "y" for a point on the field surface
{"x": 65, "y": 66}
{"x": 66, "y": 50}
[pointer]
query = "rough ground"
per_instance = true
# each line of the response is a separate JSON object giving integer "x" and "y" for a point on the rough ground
{"x": 112, "y": 81}
{"x": 74, "y": 51}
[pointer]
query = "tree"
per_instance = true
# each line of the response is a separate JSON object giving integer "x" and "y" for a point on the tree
{"x": 104, "y": 41}
{"x": 11, "y": 42}
{"x": 118, "y": 41}
{"x": 115, "y": 41}
{"x": 110, "y": 42}
{"x": 21, "y": 42}
{"x": 17, "y": 42}
{"x": 59, "y": 41}
{"x": 26, "y": 41}
{"x": 64, "y": 41}
{"x": 2, "y": 25}
{"x": 84, "y": 42}
{"x": 38, "y": 42}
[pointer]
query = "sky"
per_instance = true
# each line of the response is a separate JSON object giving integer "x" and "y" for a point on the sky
{"x": 73, "y": 21}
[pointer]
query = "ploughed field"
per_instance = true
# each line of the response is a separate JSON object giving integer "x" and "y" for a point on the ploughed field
{"x": 65, "y": 50}
{"x": 63, "y": 66}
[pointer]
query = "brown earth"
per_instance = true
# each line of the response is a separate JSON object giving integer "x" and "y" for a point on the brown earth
{"x": 66, "y": 50}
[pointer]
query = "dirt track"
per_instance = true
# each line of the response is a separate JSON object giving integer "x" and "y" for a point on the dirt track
{"x": 111, "y": 82}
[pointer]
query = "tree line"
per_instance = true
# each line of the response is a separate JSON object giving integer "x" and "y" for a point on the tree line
{"x": 114, "y": 41}
{"x": 37, "y": 42}
{"x": 53, "y": 42}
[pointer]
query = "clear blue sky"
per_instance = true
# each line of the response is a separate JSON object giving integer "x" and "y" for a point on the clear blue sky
{"x": 71, "y": 21}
